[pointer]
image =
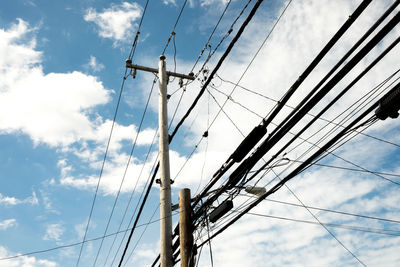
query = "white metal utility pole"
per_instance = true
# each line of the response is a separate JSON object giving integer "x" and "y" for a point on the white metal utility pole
{"x": 165, "y": 181}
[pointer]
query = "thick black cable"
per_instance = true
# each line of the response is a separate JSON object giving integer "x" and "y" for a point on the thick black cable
{"x": 253, "y": 58}
{"x": 141, "y": 235}
{"x": 227, "y": 34}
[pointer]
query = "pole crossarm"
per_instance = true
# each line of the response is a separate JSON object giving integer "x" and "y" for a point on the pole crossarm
{"x": 154, "y": 70}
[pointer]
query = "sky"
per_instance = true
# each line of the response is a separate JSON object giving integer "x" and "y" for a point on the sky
{"x": 62, "y": 67}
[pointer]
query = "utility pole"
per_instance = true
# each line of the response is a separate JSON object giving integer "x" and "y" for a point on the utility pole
{"x": 185, "y": 228}
{"x": 165, "y": 181}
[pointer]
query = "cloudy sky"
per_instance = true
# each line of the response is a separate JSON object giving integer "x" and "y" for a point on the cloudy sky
{"x": 62, "y": 66}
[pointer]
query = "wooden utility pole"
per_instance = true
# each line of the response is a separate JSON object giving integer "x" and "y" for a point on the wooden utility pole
{"x": 185, "y": 228}
{"x": 165, "y": 181}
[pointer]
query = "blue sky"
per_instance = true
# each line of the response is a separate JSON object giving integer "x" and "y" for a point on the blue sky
{"x": 61, "y": 68}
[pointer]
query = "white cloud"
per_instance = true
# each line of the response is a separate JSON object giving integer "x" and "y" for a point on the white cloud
{"x": 94, "y": 65}
{"x": 33, "y": 200}
{"x": 116, "y": 22}
{"x": 25, "y": 261}
{"x": 51, "y": 108}
{"x": 170, "y": 2}
{"x": 54, "y": 232}
{"x": 7, "y": 224}
{"x": 57, "y": 109}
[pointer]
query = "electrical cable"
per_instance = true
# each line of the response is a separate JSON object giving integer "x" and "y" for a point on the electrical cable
{"x": 253, "y": 58}
{"x": 283, "y": 101}
{"x": 140, "y": 211}
{"x": 230, "y": 30}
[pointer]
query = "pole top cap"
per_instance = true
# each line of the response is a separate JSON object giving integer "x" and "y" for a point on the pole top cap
{"x": 162, "y": 57}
